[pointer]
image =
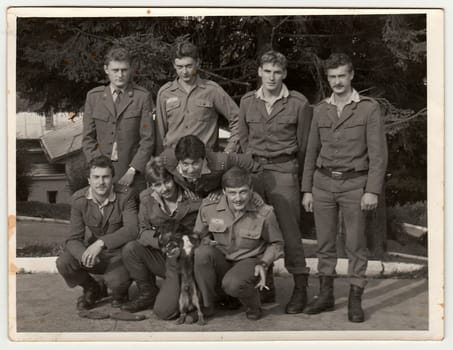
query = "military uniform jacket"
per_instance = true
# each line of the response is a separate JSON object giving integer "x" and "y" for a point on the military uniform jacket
{"x": 117, "y": 226}
{"x": 217, "y": 162}
{"x": 255, "y": 234}
{"x": 152, "y": 216}
{"x": 131, "y": 126}
{"x": 179, "y": 113}
{"x": 355, "y": 141}
{"x": 283, "y": 132}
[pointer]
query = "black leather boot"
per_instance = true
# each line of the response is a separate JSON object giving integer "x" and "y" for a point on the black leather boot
{"x": 325, "y": 300}
{"x": 147, "y": 292}
{"x": 253, "y": 306}
{"x": 92, "y": 293}
{"x": 355, "y": 311}
{"x": 298, "y": 299}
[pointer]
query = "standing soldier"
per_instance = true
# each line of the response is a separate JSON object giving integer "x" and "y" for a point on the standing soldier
{"x": 344, "y": 169}
{"x": 190, "y": 105}
{"x": 273, "y": 126}
{"x": 117, "y": 121}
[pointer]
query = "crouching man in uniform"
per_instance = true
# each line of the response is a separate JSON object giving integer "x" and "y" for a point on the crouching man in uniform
{"x": 103, "y": 219}
{"x": 247, "y": 239}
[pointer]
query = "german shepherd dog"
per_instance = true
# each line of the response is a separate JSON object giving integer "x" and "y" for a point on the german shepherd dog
{"x": 177, "y": 241}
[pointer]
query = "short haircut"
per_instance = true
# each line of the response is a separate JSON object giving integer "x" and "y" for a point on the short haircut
{"x": 274, "y": 57}
{"x": 336, "y": 60}
{"x": 236, "y": 177}
{"x": 117, "y": 53}
{"x": 190, "y": 147}
{"x": 100, "y": 162}
{"x": 185, "y": 49}
{"x": 156, "y": 172}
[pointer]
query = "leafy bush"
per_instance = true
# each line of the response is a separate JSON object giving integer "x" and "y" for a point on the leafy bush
{"x": 44, "y": 210}
{"x": 411, "y": 213}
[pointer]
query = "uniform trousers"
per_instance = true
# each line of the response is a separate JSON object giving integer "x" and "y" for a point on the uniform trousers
{"x": 144, "y": 263}
{"x": 110, "y": 266}
{"x": 325, "y": 206}
{"x": 282, "y": 191}
{"x": 214, "y": 271}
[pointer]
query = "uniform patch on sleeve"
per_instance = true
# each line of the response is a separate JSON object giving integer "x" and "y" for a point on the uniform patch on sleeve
{"x": 171, "y": 100}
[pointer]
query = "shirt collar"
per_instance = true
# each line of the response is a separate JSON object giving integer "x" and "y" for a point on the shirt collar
{"x": 284, "y": 93}
{"x": 113, "y": 89}
{"x": 161, "y": 203}
{"x": 111, "y": 197}
{"x": 355, "y": 97}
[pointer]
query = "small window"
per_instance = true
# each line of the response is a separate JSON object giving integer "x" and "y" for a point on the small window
{"x": 52, "y": 196}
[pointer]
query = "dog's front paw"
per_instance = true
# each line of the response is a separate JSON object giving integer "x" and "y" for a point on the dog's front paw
{"x": 180, "y": 320}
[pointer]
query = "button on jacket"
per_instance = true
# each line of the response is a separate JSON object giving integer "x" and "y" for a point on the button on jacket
{"x": 253, "y": 234}
{"x": 217, "y": 163}
{"x": 116, "y": 226}
{"x": 131, "y": 126}
{"x": 151, "y": 216}
{"x": 355, "y": 141}
{"x": 195, "y": 113}
{"x": 282, "y": 132}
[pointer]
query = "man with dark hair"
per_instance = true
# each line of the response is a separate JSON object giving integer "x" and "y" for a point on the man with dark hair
{"x": 117, "y": 121}
{"x": 103, "y": 219}
{"x": 190, "y": 105}
{"x": 161, "y": 204}
{"x": 199, "y": 170}
{"x": 247, "y": 240}
{"x": 344, "y": 169}
{"x": 273, "y": 127}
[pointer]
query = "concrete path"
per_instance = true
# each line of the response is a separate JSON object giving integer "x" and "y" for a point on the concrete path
{"x": 46, "y": 304}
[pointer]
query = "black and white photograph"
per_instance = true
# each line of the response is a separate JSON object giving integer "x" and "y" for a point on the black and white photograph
{"x": 212, "y": 174}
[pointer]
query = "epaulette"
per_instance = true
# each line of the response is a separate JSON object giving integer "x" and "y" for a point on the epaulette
{"x": 265, "y": 210}
{"x": 80, "y": 193}
{"x": 368, "y": 99}
{"x": 97, "y": 89}
{"x": 323, "y": 101}
{"x": 248, "y": 94}
{"x": 210, "y": 82}
{"x": 165, "y": 86}
{"x": 145, "y": 193}
{"x": 122, "y": 190}
{"x": 140, "y": 88}
{"x": 298, "y": 95}
{"x": 207, "y": 201}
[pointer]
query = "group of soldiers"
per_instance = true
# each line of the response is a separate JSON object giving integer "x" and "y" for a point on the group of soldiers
{"x": 243, "y": 203}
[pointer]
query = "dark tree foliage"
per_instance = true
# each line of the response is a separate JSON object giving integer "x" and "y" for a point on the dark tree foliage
{"x": 60, "y": 59}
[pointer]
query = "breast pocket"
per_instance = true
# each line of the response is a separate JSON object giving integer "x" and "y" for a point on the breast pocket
{"x": 354, "y": 129}
{"x": 249, "y": 238}
{"x": 325, "y": 130}
{"x": 204, "y": 109}
{"x": 219, "y": 230}
{"x": 171, "y": 105}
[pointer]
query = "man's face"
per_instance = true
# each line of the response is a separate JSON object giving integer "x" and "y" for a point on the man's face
{"x": 238, "y": 197}
{"x": 272, "y": 76}
{"x": 101, "y": 181}
{"x": 165, "y": 189}
{"x": 340, "y": 79}
{"x": 186, "y": 69}
{"x": 191, "y": 168}
{"x": 119, "y": 73}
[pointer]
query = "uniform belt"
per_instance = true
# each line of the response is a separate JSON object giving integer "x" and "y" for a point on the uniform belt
{"x": 342, "y": 175}
{"x": 274, "y": 160}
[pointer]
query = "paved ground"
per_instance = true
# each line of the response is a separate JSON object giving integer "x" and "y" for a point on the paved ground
{"x": 46, "y": 304}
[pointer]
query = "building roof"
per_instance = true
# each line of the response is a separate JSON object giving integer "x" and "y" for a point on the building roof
{"x": 63, "y": 142}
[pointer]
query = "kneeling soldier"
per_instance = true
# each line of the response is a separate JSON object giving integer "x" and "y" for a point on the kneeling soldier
{"x": 247, "y": 240}
{"x": 103, "y": 219}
